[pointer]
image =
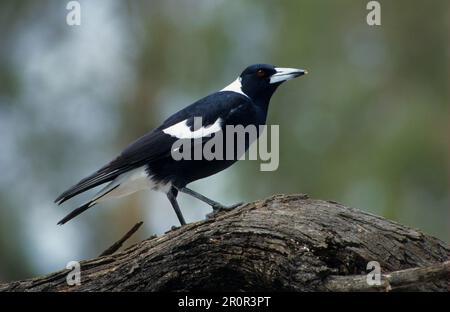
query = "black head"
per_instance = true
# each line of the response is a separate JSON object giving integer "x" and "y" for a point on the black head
{"x": 260, "y": 81}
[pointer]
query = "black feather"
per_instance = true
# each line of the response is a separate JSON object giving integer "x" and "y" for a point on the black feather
{"x": 75, "y": 213}
{"x": 86, "y": 206}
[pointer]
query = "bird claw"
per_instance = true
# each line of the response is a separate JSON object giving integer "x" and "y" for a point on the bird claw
{"x": 172, "y": 228}
{"x": 221, "y": 208}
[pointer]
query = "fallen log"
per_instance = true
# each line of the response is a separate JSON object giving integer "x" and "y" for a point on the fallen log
{"x": 283, "y": 243}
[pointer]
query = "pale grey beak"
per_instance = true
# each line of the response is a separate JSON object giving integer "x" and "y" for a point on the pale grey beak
{"x": 284, "y": 74}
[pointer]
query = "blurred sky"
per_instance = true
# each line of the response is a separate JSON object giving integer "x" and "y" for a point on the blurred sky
{"x": 368, "y": 127}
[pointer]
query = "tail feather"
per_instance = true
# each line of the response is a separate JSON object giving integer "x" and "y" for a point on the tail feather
{"x": 76, "y": 212}
{"x": 108, "y": 189}
{"x": 82, "y": 186}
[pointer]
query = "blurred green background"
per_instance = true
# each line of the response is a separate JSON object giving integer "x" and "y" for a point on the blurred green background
{"x": 368, "y": 127}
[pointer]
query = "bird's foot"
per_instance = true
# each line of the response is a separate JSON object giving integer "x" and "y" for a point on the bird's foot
{"x": 221, "y": 208}
{"x": 173, "y": 228}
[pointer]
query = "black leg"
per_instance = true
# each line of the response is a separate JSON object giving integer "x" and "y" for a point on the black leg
{"x": 172, "y": 196}
{"x": 215, "y": 205}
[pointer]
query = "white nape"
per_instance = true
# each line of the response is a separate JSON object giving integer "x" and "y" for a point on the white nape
{"x": 235, "y": 86}
{"x": 182, "y": 131}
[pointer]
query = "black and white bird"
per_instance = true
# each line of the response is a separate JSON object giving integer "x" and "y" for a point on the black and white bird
{"x": 147, "y": 163}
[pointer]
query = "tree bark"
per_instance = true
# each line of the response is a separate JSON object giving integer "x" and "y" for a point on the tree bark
{"x": 283, "y": 243}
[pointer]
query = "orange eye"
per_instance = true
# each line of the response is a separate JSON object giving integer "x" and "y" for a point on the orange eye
{"x": 260, "y": 73}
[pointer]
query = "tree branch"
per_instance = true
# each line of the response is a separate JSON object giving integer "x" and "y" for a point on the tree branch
{"x": 283, "y": 243}
{"x": 113, "y": 248}
{"x": 393, "y": 281}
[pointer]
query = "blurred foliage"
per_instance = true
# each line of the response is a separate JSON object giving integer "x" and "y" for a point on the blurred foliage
{"x": 368, "y": 127}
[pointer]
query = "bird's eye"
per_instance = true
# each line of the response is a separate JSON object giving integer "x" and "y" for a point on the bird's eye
{"x": 261, "y": 73}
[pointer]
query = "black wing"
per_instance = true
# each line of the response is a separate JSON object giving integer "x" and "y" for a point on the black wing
{"x": 156, "y": 144}
{"x": 153, "y": 145}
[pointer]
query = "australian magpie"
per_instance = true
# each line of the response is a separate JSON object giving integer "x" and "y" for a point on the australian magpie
{"x": 147, "y": 163}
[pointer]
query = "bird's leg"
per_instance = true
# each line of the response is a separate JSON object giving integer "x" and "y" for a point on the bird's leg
{"x": 215, "y": 205}
{"x": 172, "y": 196}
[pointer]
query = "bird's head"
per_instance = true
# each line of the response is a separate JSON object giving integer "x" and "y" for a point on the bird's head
{"x": 260, "y": 81}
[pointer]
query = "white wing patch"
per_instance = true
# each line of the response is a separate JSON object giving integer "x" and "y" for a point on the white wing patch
{"x": 182, "y": 131}
{"x": 235, "y": 86}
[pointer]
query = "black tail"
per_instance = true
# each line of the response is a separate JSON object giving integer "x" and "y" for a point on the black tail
{"x": 75, "y": 213}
